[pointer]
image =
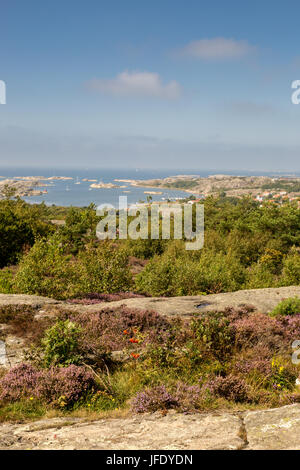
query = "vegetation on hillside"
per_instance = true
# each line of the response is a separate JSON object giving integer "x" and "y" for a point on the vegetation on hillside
{"x": 246, "y": 246}
{"x": 130, "y": 359}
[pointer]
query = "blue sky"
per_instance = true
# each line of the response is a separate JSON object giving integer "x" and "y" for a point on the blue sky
{"x": 161, "y": 84}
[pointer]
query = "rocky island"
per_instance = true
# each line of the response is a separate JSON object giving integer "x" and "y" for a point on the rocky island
{"x": 233, "y": 185}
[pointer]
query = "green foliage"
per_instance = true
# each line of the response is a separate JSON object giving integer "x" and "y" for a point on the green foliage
{"x": 6, "y": 281}
{"x": 246, "y": 246}
{"x": 79, "y": 228}
{"x": 16, "y": 233}
{"x": 215, "y": 332}
{"x": 103, "y": 268}
{"x": 289, "y": 306}
{"x": 185, "y": 275}
{"x": 47, "y": 271}
{"x": 145, "y": 249}
{"x": 61, "y": 344}
{"x": 20, "y": 225}
{"x": 291, "y": 269}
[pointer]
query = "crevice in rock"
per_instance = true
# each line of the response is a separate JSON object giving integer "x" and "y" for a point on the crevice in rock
{"x": 243, "y": 433}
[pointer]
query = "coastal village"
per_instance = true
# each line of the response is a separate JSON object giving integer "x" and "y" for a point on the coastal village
{"x": 261, "y": 188}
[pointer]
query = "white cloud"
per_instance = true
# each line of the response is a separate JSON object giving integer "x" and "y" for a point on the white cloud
{"x": 137, "y": 84}
{"x": 217, "y": 49}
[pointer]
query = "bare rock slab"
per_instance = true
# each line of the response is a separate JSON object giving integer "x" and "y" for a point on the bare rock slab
{"x": 275, "y": 429}
{"x": 147, "y": 432}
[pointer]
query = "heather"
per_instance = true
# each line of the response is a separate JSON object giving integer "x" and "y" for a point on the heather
{"x": 54, "y": 386}
{"x": 143, "y": 362}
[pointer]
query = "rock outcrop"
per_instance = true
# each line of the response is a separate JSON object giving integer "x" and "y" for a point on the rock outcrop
{"x": 265, "y": 429}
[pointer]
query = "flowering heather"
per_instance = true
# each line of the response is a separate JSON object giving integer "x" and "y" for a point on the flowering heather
{"x": 291, "y": 325}
{"x": 262, "y": 366}
{"x": 230, "y": 387}
{"x": 187, "y": 396}
{"x": 236, "y": 313}
{"x": 20, "y": 382}
{"x": 95, "y": 298}
{"x": 105, "y": 330}
{"x": 153, "y": 399}
{"x": 71, "y": 382}
{"x": 25, "y": 381}
{"x": 259, "y": 329}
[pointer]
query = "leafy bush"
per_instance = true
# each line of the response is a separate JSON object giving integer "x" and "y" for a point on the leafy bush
{"x": 103, "y": 269}
{"x": 6, "y": 281}
{"x": 61, "y": 344}
{"x": 291, "y": 269}
{"x": 289, "y": 306}
{"x": 173, "y": 275}
{"x": 215, "y": 332}
{"x": 47, "y": 271}
{"x": 16, "y": 233}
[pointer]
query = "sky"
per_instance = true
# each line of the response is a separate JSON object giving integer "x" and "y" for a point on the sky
{"x": 155, "y": 84}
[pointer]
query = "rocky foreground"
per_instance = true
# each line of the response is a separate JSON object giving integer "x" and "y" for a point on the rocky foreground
{"x": 254, "y": 430}
{"x": 262, "y": 429}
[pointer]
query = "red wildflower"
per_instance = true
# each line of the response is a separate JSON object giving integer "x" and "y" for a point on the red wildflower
{"x": 135, "y": 356}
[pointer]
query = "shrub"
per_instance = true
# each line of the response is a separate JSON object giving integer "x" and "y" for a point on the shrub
{"x": 111, "y": 330}
{"x": 61, "y": 344}
{"x": 16, "y": 233}
{"x": 215, "y": 332}
{"x": 47, "y": 271}
{"x": 59, "y": 386}
{"x": 230, "y": 387}
{"x": 6, "y": 281}
{"x": 157, "y": 277}
{"x": 20, "y": 382}
{"x": 103, "y": 270}
{"x": 187, "y": 397}
{"x": 259, "y": 329}
{"x": 64, "y": 386}
{"x": 291, "y": 269}
{"x": 153, "y": 399}
{"x": 289, "y": 306}
{"x": 179, "y": 274}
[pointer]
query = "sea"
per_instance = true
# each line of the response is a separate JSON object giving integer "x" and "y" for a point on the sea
{"x": 76, "y": 192}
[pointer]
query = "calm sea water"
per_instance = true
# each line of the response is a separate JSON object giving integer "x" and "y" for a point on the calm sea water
{"x": 68, "y": 193}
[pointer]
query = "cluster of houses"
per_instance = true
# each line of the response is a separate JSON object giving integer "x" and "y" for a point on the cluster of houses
{"x": 278, "y": 197}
